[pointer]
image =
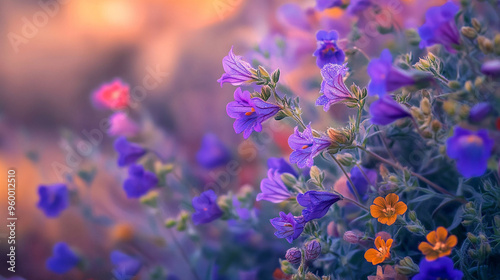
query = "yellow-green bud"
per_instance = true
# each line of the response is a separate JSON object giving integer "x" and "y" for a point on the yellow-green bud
{"x": 485, "y": 44}
{"x": 170, "y": 223}
{"x": 287, "y": 267}
{"x": 288, "y": 179}
{"x": 476, "y": 24}
{"x": 468, "y": 86}
{"x": 425, "y": 106}
{"x": 346, "y": 159}
{"x": 407, "y": 267}
{"x": 479, "y": 81}
{"x": 413, "y": 215}
{"x": 469, "y": 32}
{"x": 472, "y": 238}
{"x": 454, "y": 84}
{"x": 449, "y": 107}
{"x": 150, "y": 199}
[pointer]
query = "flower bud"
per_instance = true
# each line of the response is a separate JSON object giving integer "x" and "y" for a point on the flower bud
{"x": 469, "y": 32}
{"x": 346, "y": 159}
{"x": 265, "y": 93}
{"x": 388, "y": 188}
{"x": 496, "y": 42}
{"x": 225, "y": 203}
{"x": 407, "y": 267}
{"x": 262, "y": 72}
{"x": 123, "y": 232}
{"x": 413, "y": 215}
{"x": 425, "y": 106}
{"x": 287, "y": 267}
{"x": 384, "y": 172}
{"x": 454, "y": 84}
{"x": 293, "y": 255}
{"x": 449, "y": 107}
{"x": 336, "y": 136}
{"x": 468, "y": 86}
{"x": 485, "y": 44}
{"x": 472, "y": 238}
{"x": 476, "y": 24}
{"x": 353, "y": 236}
{"x": 313, "y": 250}
{"x": 384, "y": 235}
{"x": 311, "y": 276}
{"x": 414, "y": 228}
{"x": 436, "y": 126}
{"x": 170, "y": 223}
{"x": 276, "y": 76}
{"x": 288, "y": 179}
{"x": 316, "y": 174}
{"x": 150, "y": 199}
{"x": 478, "y": 81}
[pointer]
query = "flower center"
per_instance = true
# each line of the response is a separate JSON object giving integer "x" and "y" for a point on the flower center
{"x": 328, "y": 48}
{"x": 306, "y": 146}
{"x": 474, "y": 139}
{"x": 440, "y": 246}
{"x": 288, "y": 225}
{"x": 251, "y": 112}
{"x": 389, "y": 211}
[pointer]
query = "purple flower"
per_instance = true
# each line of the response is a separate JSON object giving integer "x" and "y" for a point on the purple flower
{"x": 237, "y": 70}
{"x": 122, "y": 125}
{"x": 63, "y": 259}
{"x": 293, "y": 255}
{"x": 333, "y": 88}
{"x": 212, "y": 153}
{"x": 272, "y": 188}
{"x": 471, "y": 150}
{"x": 287, "y": 226}
{"x": 125, "y": 266}
{"x": 206, "y": 208}
{"x": 385, "y": 77}
{"x": 281, "y": 165}
{"x": 139, "y": 181}
{"x": 328, "y": 51}
{"x": 440, "y": 27}
{"x": 360, "y": 182}
{"x": 249, "y": 112}
{"x": 53, "y": 199}
{"x": 305, "y": 146}
{"x": 128, "y": 153}
{"x": 491, "y": 68}
{"x": 385, "y": 111}
{"x": 480, "y": 111}
{"x": 317, "y": 204}
{"x": 327, "y": 4}
{"x": 442, "y": 268}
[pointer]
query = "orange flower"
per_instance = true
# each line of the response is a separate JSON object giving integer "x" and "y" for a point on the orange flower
{"x": 381, "y": 253}
{"x": 440, "y": 244}
{"x": 388, "y": 209}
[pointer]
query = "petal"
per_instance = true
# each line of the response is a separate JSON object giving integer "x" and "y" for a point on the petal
{"x": 431, "y": 237}
{"x": 400, "y": 208}
{"x": 371, "y": 254}
{"x": 445, "y": 253}
{"x": 380, "y": 201}
{"x": 425, "y": 248}
{"x": 383, "y": 219}
{"x": 388, "y": 244}
{"x": 392, "y": 199}
{"x": 379, "y": 242}
{"x": 391, "y": 220}
{"x": 451, "y": 241}
{"x": 441, "y": 234}
{"x": 376, "y": 211}
{"x": 432, "y": 256}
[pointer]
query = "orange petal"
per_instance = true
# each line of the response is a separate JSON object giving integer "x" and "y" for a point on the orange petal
{"x": 391, "y": 219}
{"x": 441, "y": 233}
{"x": 388, "y": 244}
{"x": 425, "y": 248}
{"x": 376, "y": 211}
{"x": 451, "y": 241}
{"x": 380, "y": 201}
{"x": 431, "y": 237}
{"x": 371, "y": 254}
{"x": 445, "y": 253}
{"x": 379, "y": 242}
{"x": 400, "y": 208}
{"x": 391, "y": 199}
{"x": 383, "y": 220}
{"x": 378, "y": 260}
{"x": 432, "y": 256}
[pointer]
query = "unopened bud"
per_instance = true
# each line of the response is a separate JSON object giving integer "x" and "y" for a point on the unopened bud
{"x": 316, "y": 174}
{"x": 413, "y": 215}
{"x": 425, "y": 106}
{"x": 472, "y": 238}
{"x": 276, "y": 76}
{"x": 170, "y": 223}
{"x": 353, "y": 236}
{"x": 263, "y": 72}
{"x": 436, "y": 126}
{"x": 414, "y": 228}
{"x": 496, "y": 42}
{"x": 449, "y": 107}
{"x": 288, "y": 179}
{"x": 293, "y": 255}
{"x": 150, "y": 199}
{"x": 388, "y": 188}
{"x": 468, "y": 86}
{"x": 454, "y": 84}
{"x": 336, "y": 136}
{"x": 346, "y": 159}
{"x": 478, "y": 81}
{"x": 265, "y": 92}
{"x": 287, "y": 267}
{"x": 407, "y": 267}
{"x": 383, "y": 171}
{"x": 476, "y": 24}
{"x": 313, "y": 250}
{"x": 468, "y": 32}
{"x": 485, "y": 44}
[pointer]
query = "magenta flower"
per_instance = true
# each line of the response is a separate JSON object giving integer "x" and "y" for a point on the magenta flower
{"x": 273, "y": 189}
{"x": 385, "y": 77}
{"x": 249, "y": 112}
{"x": 440, "y": 27}
{"x": 287, "y": 226}
{"x": 237, "y": 70}
{"x": 333, "y": 88}
{"x": 328, "y": 51}
{"x": 317, "y": 204}
{"x": 305, "y": 146}
{"x": 471, "y": 150}
{"x": 206, "y": 208}
{"x": 385, "y": 111}
{"x": 113, "y": 95}
{"x": 122, "y": 125}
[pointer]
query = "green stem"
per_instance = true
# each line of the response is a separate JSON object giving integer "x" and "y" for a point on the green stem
{"x": 356, "y": 203}
{"x": 360, "y": 112}
{"x": 355, "y": 191}
{"x": 427, "y": 181}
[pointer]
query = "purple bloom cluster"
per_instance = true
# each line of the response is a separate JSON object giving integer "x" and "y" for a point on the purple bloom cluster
{"x": 385, "y": 77}
{"x": 385, "y": 111}
{"x": 328, "y": 51}
{"x": 53, "y": 199}
{"x": 63, "y": 259}
{"x": 333, "y": 87}
{"x": 139, "y": 181}
{"x": 287, "y": 226}
{"x": 305, "y": 146}
{"x": 249, "y": 112}
{"x": 440, "y": 27}
{"x": 206, "y": 208}
{"x": 317, "y": 204}
{"x": 471, "y": 150}
{"x": 128, "y": 152}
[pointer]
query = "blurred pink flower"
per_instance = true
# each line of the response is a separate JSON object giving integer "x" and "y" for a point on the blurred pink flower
{"x": 113, "y": 95}
{"x": 122, "y": 125}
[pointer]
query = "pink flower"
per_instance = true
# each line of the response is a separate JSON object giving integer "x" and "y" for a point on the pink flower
{"x": 113, "y": 95}
{"x": 122, "y": 125}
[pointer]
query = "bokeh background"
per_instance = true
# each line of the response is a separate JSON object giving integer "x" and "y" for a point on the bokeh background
{"x": 54, "y": 54}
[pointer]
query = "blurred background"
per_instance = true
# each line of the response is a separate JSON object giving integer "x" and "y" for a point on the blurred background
{"x": 54, "y": 54}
